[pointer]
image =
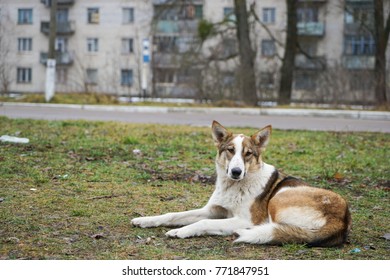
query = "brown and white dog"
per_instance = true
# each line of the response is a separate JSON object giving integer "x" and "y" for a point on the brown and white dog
{"x": 258, "y": 204}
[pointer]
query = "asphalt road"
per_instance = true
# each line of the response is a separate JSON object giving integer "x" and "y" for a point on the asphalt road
{"x": 203, "y": 118}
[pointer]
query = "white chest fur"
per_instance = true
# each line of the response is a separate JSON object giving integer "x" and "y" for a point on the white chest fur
{"x": 238, "y": 196}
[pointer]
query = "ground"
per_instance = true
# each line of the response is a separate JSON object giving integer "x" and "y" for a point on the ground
{"x": 71, "y": 192}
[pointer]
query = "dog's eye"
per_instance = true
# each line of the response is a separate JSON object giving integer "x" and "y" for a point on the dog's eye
{"x": 248, "y": 153}
{"x": 230, "y": 150}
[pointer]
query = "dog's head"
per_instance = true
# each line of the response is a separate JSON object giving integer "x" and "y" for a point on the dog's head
{"x": 238, "y": 154}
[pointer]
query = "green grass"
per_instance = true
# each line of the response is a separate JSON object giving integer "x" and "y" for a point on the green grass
{"x": 72, "y": 191}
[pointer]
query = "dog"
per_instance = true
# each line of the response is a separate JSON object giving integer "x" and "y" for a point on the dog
{"x": 256, "y": 203}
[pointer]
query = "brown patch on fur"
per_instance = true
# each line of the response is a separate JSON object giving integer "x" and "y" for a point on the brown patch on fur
{"x": 259, "y": 209}
{"x": 226, "y": 144}
{"x": 332, "y": 206}
{"x": 219, "y": 212}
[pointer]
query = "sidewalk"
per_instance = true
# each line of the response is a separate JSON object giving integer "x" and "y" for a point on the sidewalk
{"x": 320, "y": 113}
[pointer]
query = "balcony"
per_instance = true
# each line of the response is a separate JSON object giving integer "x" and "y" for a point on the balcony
{"x": 315, "y": 63}
{"x": 175, "y": 27}
{"x": 357, "y": 28}
{"x": 47, "y": 3}
{"x": 62, "y": 58}
{"x": 311, "y": 28}
{"x": 63, "y": 28}
{"x": 169, "y": 2}
{"x": 358, "y": 62}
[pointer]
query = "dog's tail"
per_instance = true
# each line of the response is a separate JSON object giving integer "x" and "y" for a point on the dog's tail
{"x": 333, "y": 233}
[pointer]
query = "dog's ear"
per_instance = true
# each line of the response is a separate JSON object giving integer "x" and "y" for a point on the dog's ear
{"x": 261, "y": 138}
{"x": 220, "y": 134}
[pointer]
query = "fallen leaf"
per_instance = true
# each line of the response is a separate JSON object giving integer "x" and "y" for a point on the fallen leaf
{"x": 338, "y": 176}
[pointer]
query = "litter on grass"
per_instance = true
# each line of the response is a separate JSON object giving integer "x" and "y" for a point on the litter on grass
{"x": 14, "y": 139}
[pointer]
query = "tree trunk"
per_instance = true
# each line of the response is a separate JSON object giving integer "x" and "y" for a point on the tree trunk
{"x": 246, "y": 53}
{"x": 287, "y": 70}
{"x": 381, "y": 37}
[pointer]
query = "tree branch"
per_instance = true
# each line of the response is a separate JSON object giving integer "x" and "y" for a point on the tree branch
{"x": 253, "y": 12}
{"x": 257, "y": 19}
{"x": 387, "y": 30}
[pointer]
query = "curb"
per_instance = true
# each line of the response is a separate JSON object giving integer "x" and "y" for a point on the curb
{"x": 319, "y": 113}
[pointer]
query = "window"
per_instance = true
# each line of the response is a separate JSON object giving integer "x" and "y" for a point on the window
{"x": 127, "y": 15}
{"x": 184, "y": 44}
{"x": 229, "y": 47}
{"x": 198, "y": 11}
{"x": 267, "y": 80}
{"x": 268, "y": 15}
{"x": 61, "y": 75}
{"x": 25, "y": 16}
{"x": 362, "y": 14}
{"x": 361, "y": 80}
{"x": 126, "y": 77}
{"x": 166, "y": 44}
{"x": 61, "y": 44}
{"x": 228, "y": 13}
{"x": 359, "y": 45}
{"x": 92, "y": 76}
{"x": 62, "y": 15}
{"x": 307, "y": 14}
{"x": 165, "y": 75}
{"x": 309, "y": 47}
{"x": 188, "y": 76}
{"x": 228, "y": 79}
{"x": 178, "y": 12}
{"x": 127, "y": 45}
{"x": 268, "y": 48}
{"x": 305, "y": 80}
{"x": 93, "y": 44}
{"x": 23, "y": 75}
{"x": 24, "y": 44}
{"x": 93, "y": 15}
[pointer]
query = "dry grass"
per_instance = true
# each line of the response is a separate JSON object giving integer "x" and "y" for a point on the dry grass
{"x": 72, "y": 191}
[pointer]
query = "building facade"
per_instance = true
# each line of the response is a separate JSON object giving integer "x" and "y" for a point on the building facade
{"x": 99, "y": 48}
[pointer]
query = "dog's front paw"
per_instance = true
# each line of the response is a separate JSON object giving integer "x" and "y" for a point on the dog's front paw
{"x": 243, "y": 236}
{"x": 179, "y": 233}
{"x": 144, "y": 222}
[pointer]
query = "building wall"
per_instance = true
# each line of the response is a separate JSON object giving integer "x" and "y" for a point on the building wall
{"x": 325, "y": 77}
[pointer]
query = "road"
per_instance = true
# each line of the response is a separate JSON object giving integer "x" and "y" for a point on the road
{"x": 229, "y": 117}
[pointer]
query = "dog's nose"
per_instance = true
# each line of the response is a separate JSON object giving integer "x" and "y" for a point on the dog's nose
{"x": 236, "y": 172}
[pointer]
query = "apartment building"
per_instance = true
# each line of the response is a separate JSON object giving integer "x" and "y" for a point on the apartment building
{"x": 99, "y": 47}
{"x": 98, "y": 44}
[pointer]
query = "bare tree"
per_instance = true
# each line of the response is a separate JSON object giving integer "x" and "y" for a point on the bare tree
{"x": 6, "y": 64}
{"x": 382, "y": 31}
{"x": 287, "y": 70}
{"x": 246, "y": 53}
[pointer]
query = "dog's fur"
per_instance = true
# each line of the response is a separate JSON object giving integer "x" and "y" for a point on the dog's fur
{"x": 257, "y": 203}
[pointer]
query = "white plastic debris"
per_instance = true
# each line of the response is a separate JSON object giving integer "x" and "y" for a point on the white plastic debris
{"x": 14, "y": 139}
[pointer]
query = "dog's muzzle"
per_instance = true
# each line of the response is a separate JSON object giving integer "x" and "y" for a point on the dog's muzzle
{"x": 236, "y": 173}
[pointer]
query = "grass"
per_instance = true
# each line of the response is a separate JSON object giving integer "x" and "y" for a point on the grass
{"x": 72, "y": 191}
{"x": 64, "y": 98}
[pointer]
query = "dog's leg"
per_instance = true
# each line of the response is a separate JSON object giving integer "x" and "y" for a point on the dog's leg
{"x": 210, "y": 227}
{"x": 172, "y": 219}
{"x": 256, "y": 235}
